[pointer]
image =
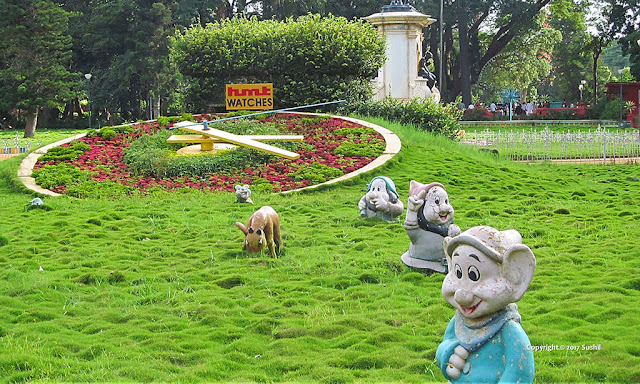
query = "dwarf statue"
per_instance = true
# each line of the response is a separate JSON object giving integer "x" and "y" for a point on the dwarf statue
{"x": 429, "y": 219}
{"x": 381, "y": 200}
{"x": 243, "y": 193}
{"x": 489, "y": 270}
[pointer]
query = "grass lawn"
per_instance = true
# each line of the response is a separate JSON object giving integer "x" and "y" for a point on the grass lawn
{"x": 157, "y": 288}
{"x": 41, "y": 138}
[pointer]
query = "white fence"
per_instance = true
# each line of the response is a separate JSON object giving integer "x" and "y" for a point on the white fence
{"x": 15, "y": 145}
{"x": 588, "y": 146}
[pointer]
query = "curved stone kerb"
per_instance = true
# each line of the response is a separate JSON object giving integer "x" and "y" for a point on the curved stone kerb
{"x": 392, "y": 148}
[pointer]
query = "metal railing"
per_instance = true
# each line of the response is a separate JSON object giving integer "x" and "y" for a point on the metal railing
{"x": 589, "y": 146}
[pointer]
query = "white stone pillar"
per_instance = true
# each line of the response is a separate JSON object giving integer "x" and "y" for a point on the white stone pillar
{"x": 398, "y": 78}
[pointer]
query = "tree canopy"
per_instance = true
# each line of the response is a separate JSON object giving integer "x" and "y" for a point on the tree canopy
{"x": 36, "y": 55}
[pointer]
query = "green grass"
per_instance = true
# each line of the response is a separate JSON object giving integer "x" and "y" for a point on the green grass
{"x": 41, "y": 138}
{"x": 157, "y": 289}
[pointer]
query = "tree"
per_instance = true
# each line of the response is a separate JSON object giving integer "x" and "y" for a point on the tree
{"x": 34, "y": 70}
{"x": 570, "y": 65}
{"x": 523, "y": 63}
{"x": 631, "y": 47}
{"x": 612, "y": 20}
{"x": 124, "y": 45}
{"x": 484, "y": 29}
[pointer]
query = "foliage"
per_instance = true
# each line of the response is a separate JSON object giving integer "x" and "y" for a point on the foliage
{"x": 124, "y": 45}
{"x": 523, "y": 62}
{"x": 36, "y": 53}
{"x": 316, "y": 172}
{"x": 61, "y": 174}
{"x": 475, "y": 32}
{"x": 424, "y": 114}
{"x": 612, "y": 110}
{"x": 65, "y": 153}
{"x": 631, "y": 47}
{"x": 309, "y": 60}
{"x": 350, "y": 149}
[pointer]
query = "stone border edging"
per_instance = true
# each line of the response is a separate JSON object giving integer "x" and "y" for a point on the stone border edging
{"x": 393, "y": 146}
{"x": 26, "y": 166}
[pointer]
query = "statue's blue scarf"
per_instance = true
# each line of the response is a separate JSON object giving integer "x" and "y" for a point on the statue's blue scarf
{"x": 473, "y": 337}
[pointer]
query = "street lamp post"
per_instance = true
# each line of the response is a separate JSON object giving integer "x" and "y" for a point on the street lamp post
{"x": 581, "y": 87}
{"x": 88, "y": 77}
{"x": 620, "y": 71}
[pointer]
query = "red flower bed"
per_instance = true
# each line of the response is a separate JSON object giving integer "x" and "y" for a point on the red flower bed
{"x": 104, "y": 159}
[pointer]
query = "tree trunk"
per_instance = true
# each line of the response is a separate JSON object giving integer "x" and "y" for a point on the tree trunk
{"x": 47, "y": 115}
{"x": 30, "y": 126}
{"x": 465, "y": 63}
{"x": 596, "y": 55}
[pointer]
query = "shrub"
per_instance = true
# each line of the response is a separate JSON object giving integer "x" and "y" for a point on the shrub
{"x": 62, "y": 174}
{"x": 612, "y": 110}
{"x": 68, "y": 153}
{"x": 424, "y": 114}
{"x": 107, "y": 134}
{"x": 163, "y": 121}
{"x": 316, "y": 172}
{"x": 308, "y": 60}
{"x": 353, "y": 149}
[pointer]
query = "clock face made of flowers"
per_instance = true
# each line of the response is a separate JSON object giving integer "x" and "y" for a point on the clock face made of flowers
{"x": 211, "y": 137}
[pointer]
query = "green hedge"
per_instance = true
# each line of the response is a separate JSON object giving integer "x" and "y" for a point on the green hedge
{"x": 309, "y": 59}
{"x": 424, "y": 114}
{"x": 61, "y": 174}
{"x": 71, "y": 152}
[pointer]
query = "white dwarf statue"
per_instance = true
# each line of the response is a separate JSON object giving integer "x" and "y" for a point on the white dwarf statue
{"x": 429, "y": 220}
{"x": 489, "y": 270}
{"x": 243, "y": 193}
{"x": 381, "y": 200}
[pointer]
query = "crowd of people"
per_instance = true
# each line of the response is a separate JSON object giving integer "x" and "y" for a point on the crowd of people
{"x": 518, "y": 109}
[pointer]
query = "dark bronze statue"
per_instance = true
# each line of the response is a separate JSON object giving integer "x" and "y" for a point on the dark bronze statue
{"x": 423, "y": 69}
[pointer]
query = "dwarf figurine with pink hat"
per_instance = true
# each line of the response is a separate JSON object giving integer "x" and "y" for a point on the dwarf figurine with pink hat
{"x": 489, "y": 270}
{"x": 429, "y": 220}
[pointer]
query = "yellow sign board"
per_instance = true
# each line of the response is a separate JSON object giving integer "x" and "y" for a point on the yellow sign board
{"x": 249, "y": 96}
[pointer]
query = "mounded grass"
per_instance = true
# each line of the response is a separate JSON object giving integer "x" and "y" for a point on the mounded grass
{"x": 157, "y": 289}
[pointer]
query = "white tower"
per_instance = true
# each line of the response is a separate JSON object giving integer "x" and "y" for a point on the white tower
{"x": 401, "y": 25}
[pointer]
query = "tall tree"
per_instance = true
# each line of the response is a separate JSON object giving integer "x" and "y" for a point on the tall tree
{"x": 34, "y": 69}
{"x": 523, "y": 63}
{"x": 631, "y": 46}
{"x": 570, "y": 65}
{"x": 483, "y": 30}
{"x": 124, "y": 45}
{"x": 612, "y": 19}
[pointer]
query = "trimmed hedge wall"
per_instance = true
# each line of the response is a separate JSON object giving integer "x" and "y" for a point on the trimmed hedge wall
{"x": 309, "y": 60}
{"x": 424, "y": 114}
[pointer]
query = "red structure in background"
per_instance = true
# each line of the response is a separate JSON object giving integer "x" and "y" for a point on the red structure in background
{"x": 630, "y": 92}
{"x": 580, "y": 109}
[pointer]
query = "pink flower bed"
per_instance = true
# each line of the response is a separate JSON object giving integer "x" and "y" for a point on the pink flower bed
{"x": 105, "y": 158}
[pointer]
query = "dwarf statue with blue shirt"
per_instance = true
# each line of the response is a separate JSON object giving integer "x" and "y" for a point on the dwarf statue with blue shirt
{"x": 489, "y": 270}
{"x": 381, "y": 200}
